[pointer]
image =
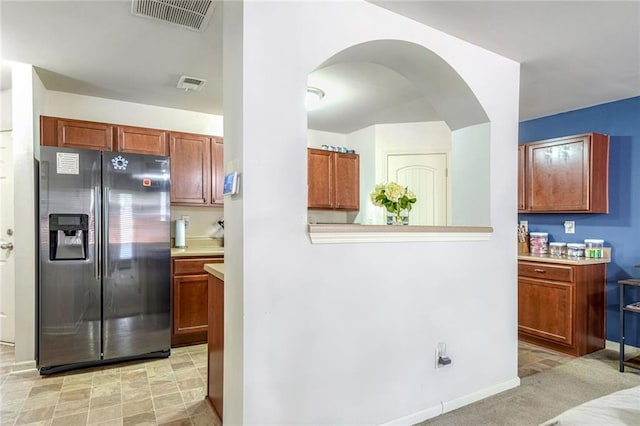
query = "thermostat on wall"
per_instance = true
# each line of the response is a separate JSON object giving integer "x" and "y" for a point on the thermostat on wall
{"x": 230, "y": 184}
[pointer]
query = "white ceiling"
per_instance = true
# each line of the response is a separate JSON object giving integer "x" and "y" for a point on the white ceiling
{"x": 573, "y": 53}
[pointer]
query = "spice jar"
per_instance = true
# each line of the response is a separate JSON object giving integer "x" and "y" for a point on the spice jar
{"x": 593, "y": 248}
{"x": 538, "y": 242}
{"x": 558, "y": 249}
{"x": 575, "y": 250}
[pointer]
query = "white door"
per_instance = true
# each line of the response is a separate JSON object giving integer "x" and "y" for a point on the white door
{"x": 7, "y": 264}
{"x": 426, "y": 176}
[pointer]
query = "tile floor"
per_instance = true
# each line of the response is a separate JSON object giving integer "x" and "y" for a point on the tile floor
{"x": 534, "y": 359}
{"x": 167, "y": 391}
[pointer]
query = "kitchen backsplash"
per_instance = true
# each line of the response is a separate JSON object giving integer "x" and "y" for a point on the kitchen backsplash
{"x": 202, "y": 221}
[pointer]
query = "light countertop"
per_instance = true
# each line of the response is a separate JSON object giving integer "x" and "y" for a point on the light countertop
{"x": 215, "y": 269}
{"x": 199, "y": 247}
{"x": 566, "y": 261}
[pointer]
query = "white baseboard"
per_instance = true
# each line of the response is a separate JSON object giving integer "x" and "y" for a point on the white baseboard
{"x": 21, "y": 367}
{"x": 447, "y": 406}
{"x": 481, "y": 394}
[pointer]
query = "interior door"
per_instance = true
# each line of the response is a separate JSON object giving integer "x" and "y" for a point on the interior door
{"x": 426, "y": 176}
{"x": 7, "y": 263}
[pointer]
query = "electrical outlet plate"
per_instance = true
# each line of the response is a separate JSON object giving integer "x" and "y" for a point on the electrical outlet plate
{"x": 569, "y": 227}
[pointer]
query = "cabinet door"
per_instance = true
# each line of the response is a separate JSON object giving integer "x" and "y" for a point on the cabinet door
{"x": 559, "y": 175}
{"x": 521, "y": 178}
{"x": 217, "y": 170}
{"x": 346, "y": 181}
{"x": 546, "y": 309}
{"x": 139, "y": 140}
{"x": 190, "y": 169}
{"x": 84, "y": 134}
{"x": 319, "y": 179}
{"x": 190, "y": 293}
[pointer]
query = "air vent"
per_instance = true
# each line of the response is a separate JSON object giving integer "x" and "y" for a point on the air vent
{"x": 191, "y": 83}
{"x": 192, "y": 14}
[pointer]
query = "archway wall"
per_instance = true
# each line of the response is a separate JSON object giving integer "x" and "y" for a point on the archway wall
{"x": 345, "y": 333}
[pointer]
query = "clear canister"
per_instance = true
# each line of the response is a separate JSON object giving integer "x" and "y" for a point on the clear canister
{"x": 593, "y": 248}
{"x": 538, "y": 242}
{"x": 575, "y": 250}
{"x": 558, "y": 249}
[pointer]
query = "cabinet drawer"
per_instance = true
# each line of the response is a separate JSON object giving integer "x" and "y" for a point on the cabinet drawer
{"x": 545, "y": 271}
{"x": 193, "y": 266}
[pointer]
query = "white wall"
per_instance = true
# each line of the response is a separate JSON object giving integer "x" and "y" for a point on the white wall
{"x": 203, "y": 221}
{"x": 5, "y": 109}
{"x": 67, "y": 105}
{"x": 470, "y": 171}
{"x": 27, "y": 103}
{"x": 345, "y": 333}
{"x": 317, "y": 138}
{"x": 364, "y": 142}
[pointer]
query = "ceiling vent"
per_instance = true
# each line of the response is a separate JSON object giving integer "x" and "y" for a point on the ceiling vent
{"x": 191, "y": 83}
{"x": 192, "y": 14}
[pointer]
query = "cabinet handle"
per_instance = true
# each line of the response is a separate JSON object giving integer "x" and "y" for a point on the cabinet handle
{"x": 542, "y": 271}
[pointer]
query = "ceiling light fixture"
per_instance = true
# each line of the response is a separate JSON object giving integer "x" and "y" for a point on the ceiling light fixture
{"x": 314, "y": 96}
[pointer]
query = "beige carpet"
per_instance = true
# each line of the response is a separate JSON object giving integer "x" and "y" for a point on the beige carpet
{"x": 543, "y": 396}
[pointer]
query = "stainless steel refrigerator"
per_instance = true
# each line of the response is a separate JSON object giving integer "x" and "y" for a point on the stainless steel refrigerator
{"x": 104, "y": 260}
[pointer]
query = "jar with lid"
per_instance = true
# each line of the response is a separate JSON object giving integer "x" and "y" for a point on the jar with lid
{"x": 593, "y": 248}
{"x": 538, "y": 242}
{"x": 575, "y": 250}
{"x": 558, "y": 249}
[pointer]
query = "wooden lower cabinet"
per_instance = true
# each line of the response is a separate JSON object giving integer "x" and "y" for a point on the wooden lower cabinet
{"x": 562, "y": 307}
{"x": 189, "y": 301}
{"x": 216, "y": 344}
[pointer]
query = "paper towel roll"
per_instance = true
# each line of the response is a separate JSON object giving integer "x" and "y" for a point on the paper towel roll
{"x": 180, "y": 233}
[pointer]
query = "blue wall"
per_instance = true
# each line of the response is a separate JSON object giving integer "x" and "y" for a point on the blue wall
{"x": 621, "y": 227}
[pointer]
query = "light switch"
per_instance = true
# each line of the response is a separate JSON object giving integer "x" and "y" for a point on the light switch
{"x": 569, "y": 227}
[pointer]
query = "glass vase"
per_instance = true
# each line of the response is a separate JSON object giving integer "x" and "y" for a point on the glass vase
{"x": 398, "y": 217}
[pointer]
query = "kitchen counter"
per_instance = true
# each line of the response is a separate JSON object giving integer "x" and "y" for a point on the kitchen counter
{"x": 215, "y": 269}
{"x": 573, "y": 261}
{"x": 199, "y": 247}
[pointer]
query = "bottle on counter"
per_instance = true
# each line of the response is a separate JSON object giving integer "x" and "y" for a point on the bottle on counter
{"x": 538, "y": 242}
{"x": 593, "y": 248}
{"x": 558, "y": 249}
{"x": 575, "y": 250}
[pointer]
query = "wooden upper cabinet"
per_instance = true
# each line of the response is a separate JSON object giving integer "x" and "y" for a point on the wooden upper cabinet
{"x": 320, "y": 181}
{"x": 217, "y": 170}
{"x": 333, "y": 180}
{"x": 346, "y": 181}
{"x": 568, "y": 174}
{"x": 521, "y": 186}
{"x": 140, "y": 140}
{"x": 67, "y": 133}
{"x": 190, "y": 169}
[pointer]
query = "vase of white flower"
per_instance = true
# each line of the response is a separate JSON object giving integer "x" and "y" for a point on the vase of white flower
{"x": 396, "y": 199}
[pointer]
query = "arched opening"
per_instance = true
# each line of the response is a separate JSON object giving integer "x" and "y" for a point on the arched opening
{"x": 411, "y": 118}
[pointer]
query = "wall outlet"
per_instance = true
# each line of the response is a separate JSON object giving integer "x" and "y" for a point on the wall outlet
{"x": 569, "y": 227}
{"x": 442, "y": 358}
{"x": 186, "y": 220}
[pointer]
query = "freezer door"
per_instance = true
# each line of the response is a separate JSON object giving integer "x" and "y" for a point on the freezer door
{"x": 68, "y": 288}
{"x": 136, "y": 283}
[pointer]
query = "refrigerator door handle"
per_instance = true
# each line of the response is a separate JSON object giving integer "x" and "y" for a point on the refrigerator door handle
{"x": 96, "y": 231}
{"x": 105, "y": 235}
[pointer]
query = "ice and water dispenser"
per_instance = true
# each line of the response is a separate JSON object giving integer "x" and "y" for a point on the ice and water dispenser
{"x": 68, "y": 236}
